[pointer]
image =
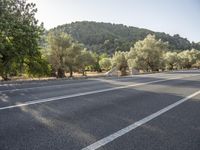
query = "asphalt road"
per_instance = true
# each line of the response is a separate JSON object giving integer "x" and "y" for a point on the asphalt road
{"x": 142, "y": 112}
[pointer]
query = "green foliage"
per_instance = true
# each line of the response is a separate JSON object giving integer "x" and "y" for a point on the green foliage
{"x": 108, "y": 38}
{"x": 188, "y": 58}
{"x": 72, "y": 56}
{"x": 19, "y": 37}
{"x": 85, "y": 60}
{"x": 60, "y": 45}
{"x": 171, "y": 60}
{"x": 197, "y": 64}
{"x": 38, "y": 67}
{"x": 147, "y": 54}
{"x": 152, "y": 55}
{"x": 119, "y": 61}
{"x": 68, "y": 55}
{"x": 96, "y": 65}
{"x": 105, "y": 64}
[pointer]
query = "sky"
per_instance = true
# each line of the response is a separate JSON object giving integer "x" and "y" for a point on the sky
{"x": 170, "y": 16}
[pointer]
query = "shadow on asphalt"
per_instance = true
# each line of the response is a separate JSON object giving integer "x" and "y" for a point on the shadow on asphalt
{"x": 77, "y": 122}
{"x": 9, "y": 98}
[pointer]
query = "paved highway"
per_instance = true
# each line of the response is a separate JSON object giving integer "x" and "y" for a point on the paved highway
{"x": 142, "y": 112}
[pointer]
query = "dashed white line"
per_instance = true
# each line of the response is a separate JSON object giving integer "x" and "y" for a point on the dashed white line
{"x": 133, "y": 126}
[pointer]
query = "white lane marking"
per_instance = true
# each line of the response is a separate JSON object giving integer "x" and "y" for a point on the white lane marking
{"x": 133, "y": 126}
{"x": 83, "y": 94}
{"x": 39, "y": 87}
{"x": 62, "y": 85}
{"x": 92, "y": 80}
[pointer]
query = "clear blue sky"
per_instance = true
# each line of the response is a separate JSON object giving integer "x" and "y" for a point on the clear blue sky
{"x": 170, "y": 16}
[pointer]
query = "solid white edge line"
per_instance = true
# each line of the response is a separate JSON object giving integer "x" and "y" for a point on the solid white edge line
{"x": 85, "y": 93}
{"x": 82, "y": 94}
{"x": 47, "y": 86}
{"x": 42, "y": 87}
{"x": 62, "y": 85}
{"x": 133, "y": 126}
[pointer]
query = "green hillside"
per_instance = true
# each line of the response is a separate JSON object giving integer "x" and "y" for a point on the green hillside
{"x": 107, "y": 37}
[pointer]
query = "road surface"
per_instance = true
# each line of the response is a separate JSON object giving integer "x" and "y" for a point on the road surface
{"x": 142, "y": 112}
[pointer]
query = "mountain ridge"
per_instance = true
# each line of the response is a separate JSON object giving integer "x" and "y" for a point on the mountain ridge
{"x": 104, "y": 37}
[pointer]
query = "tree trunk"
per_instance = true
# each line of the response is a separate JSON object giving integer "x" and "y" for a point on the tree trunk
{"x": 21, "y": 67}
{"x": 83, "y": 71}
{"x": 123, "y": 71}
{"x": 70, "y": 71}
{"x": 171, "y": 66}
{"x": 5, "y": 77}
{"x": 60, "y": 73}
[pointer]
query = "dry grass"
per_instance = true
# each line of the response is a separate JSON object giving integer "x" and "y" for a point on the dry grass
{"x": 75, "y": 75}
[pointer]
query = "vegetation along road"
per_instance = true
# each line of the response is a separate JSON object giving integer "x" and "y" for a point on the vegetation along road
{"x": 157, "y": 111}
{"x": 122, "y": 111}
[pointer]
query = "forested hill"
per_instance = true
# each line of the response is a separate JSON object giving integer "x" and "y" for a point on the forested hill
{"x": 107, "y": 37}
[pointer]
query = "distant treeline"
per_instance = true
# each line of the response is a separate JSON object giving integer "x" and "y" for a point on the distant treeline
{"x": 65, "y": 54}
{"x": 26, "y": 49}
{"x": 108, "y": 38}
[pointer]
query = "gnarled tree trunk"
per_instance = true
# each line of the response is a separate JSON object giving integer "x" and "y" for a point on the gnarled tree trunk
{"x": 60, "y": 73}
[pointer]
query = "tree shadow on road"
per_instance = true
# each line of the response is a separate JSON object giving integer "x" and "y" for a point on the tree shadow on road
{"x": 76, "y": 122}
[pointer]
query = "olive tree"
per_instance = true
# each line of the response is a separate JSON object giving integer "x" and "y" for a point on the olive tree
{"x": 105, "y": 63}
{"x": 59, "y": 43}
{"x": 171, "y": 60}
{"x": 120, "y": 62}
{"x": 85, "y": 59}
{"x": 188, "y": 58}
{"x": 147, "y": 54}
